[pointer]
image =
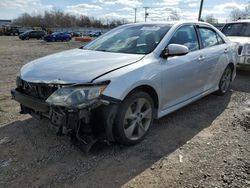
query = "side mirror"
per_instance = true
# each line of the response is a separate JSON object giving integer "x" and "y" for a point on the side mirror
{"x": 174, "y": 50}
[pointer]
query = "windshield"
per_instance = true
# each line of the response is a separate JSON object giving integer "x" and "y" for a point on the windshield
{"x": 134, "y": 39}
{"x": 237, "y": 29}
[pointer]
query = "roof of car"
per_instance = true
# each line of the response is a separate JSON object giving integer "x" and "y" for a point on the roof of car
{"x": 240, "y": 21}
{"x": 169, "y": 22}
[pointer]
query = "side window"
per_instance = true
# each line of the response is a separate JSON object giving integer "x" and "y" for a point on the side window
{"x": 186, "y": 35}
{"x": 208, "y": 37}
{"x": 220, "y": 40}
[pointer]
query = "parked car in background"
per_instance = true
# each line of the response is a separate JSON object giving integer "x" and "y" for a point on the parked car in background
{"x": 58, "y": 36}
{"x": 95, "y": 34}
{"x": 32, "y": 34}
{"x": 76, "y": 33}
{"x": 9, "y": 30}
{"x": 116, "y": 85}
{"x": 239, "y": 32}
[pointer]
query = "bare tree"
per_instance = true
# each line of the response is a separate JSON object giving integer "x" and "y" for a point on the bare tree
{"x": 236, "y": 13}
{"x": 174, "y": 15}
{"x": 57, "y": 18}
{"x": 211, "y": 19}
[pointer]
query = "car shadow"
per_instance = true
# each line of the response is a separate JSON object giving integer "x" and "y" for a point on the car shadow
{"x": 40, "y": 158}
{"x": 242, "y": 81}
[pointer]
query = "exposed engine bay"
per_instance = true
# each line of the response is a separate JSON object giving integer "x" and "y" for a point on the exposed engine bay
{"x": 85, "y": 125}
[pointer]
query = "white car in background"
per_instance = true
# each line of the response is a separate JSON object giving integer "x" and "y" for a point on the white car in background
{"x": 239, "y": 32}
{"x": 118, "y": 83}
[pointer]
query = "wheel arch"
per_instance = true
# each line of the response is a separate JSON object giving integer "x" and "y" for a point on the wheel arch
{"x": 149, "y": 90}
{"x": 232, "y": 66}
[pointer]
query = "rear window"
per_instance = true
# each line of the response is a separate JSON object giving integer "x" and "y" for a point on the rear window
{"x": 237, "y": 29}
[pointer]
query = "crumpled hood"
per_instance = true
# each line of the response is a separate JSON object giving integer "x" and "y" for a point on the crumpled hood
{"x": 241, "y": 40}
{"x": 75, "y": 66}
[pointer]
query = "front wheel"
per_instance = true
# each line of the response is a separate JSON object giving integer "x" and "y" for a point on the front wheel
{"x": 134, "y": 118}
{"x": 225, "y": 81}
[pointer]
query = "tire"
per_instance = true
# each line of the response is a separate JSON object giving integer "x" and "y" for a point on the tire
{"x": 134, "y": 118}
{"x": 225, "y": 81}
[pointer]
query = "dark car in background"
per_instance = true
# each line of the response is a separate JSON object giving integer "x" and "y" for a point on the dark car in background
{"x": 76, "y": 33}
{"x": 95, "y": 34}
{"x": 58, "y": 36}
{"x": 32, "y": 34}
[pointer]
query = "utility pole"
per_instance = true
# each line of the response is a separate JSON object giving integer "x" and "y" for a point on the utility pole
{"x": 201, "y": 7}
{"x": 135, "y": 14}
{"x": 146, "y": 13}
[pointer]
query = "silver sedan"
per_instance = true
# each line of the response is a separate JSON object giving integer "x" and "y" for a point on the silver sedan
{"x": 117, "y": 84}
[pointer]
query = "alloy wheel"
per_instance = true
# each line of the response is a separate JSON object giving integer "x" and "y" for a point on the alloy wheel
{"x": 226, "y": 80}
{"x": 137, "y": 119}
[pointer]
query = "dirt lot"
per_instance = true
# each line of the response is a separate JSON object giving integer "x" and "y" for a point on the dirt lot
{"x": 205, "y": 144}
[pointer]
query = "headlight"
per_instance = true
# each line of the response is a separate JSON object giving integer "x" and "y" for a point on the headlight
{"x": 18, "y": 81}
{"x": 75, "y": 96}
{"x": 247, "y": 49}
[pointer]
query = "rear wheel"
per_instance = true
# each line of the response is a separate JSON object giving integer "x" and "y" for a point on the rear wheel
{"x": 134, "y": 118}
{"x": 225, "y": 81}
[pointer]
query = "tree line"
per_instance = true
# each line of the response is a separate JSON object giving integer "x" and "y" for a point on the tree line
{"x": 57, "y": 18}
{"x": 236, "y": 13}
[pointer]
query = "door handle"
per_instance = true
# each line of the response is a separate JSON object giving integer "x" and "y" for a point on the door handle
{"x": 226, "y": 51}
{"x": 201, "y": 58}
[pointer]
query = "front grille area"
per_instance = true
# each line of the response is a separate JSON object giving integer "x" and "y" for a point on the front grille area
{"x": 247, "y": 49}
{"x": 240, "y": 50}
{"x": 37, "y": 90}
{"x": 248, "y": 60}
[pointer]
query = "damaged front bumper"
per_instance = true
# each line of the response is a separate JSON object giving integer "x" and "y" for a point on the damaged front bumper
{"x": 85, "y": 125}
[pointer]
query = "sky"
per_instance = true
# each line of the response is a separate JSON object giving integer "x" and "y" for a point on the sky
{"x": 123, "y": 9}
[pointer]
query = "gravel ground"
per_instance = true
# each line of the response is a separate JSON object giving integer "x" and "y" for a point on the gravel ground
{"x": 205, "y": 144}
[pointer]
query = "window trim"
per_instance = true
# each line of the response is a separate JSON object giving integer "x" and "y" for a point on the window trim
{"x": 218, "y": 36}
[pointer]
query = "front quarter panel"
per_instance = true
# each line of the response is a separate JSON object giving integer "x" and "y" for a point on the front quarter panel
{"x": 145, "y": 72}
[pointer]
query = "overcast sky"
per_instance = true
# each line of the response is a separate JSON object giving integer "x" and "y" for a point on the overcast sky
{"x": 159, "y": 11}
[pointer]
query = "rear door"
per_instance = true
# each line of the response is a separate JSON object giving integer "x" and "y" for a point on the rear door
{"x": 213, "y": 56}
